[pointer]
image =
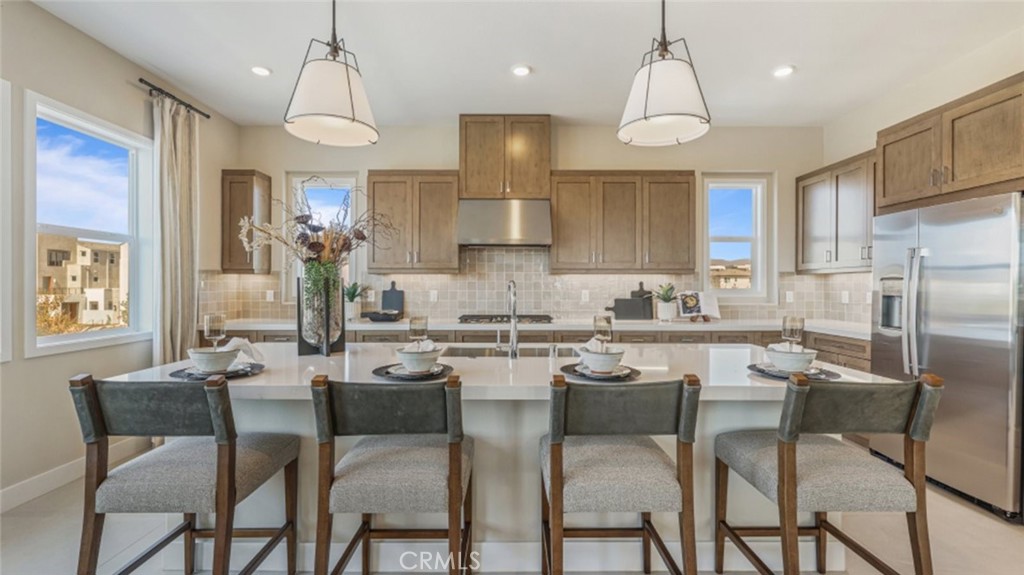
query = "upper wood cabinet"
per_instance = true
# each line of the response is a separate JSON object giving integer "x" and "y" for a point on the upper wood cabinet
{"x": 423, "y": 208}
{"x": 504, "y": 157}
{"x": 834, "y": 214}
{"x": 623, "y": 221}
{"x": 970, "y": 147}
{"x": 243, "y": 193}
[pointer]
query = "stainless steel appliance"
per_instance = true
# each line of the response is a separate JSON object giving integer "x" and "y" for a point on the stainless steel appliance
{"x": 947, "y": 289}
{"x": 504, "y": 318}
{"x": 504, "y": 223}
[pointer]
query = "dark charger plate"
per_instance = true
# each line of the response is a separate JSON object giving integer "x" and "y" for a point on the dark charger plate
{"x": 386, "y": 372}
{"x": 817, "y": 374}
{"x": 572, "y": 371}
{"x": 193, "y": 374}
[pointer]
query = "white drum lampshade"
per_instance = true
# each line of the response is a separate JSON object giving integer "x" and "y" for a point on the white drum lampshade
{"x": 329, "y": 105}
{"x": 665, "y": 105}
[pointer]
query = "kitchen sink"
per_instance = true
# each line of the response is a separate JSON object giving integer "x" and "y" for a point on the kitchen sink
{"x": 494, "y": 352}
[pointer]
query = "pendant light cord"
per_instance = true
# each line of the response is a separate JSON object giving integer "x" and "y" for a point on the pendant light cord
{"x": 663, "y": 45}
{"x": 334, "y": 31}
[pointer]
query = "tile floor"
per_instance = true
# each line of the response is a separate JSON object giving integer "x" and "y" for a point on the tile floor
{"x": 41, "y": 538}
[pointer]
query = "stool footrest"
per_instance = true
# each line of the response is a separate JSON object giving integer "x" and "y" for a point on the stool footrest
{"x": 264, "y": 551}
{"x": 154, "y": 548}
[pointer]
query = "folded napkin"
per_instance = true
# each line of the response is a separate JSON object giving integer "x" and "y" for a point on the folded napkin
{"x": 247, "y": 352}
{"x": 424, "y": 345}
{"x": 594, "y": 345}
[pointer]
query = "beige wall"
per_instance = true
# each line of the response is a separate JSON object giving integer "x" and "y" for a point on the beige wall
{"x": 854, "y": 132}
{"x": 788, "y": 152}
{"x": 38, "y": 427}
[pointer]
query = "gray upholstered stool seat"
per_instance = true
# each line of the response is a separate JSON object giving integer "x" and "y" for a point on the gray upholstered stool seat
{"x": 830, "y": 475}
{"x": 181, "y": 476}
{"x": 397, "y": 474}
{"x": 613, "y": 473}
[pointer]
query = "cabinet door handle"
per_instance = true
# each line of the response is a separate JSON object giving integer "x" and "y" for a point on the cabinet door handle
{"x": 828, "y": 256}
{"x": 593, "y": 257}
{"x": 501, "y": 187}
{"x": 508, "y": 187}
{"x": 945, "y": 174}
{"x": 871, "y": 252}
{"x": 416, "y": 257}
{"x": 863, "y": 252}
{"x": 408, "y": 257}
{"x": 600, "y": 257}
{"x": 647, "y": 257}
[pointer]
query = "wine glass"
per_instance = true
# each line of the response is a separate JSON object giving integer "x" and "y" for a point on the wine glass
{"x": 603, "y": 329}
{"x": 214, "y": 328}
{"x": 418, "y": 327}
{"x": 792, "y": 329}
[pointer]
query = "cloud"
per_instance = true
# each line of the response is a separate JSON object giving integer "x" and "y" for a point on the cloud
{"x": 79, "y": 183}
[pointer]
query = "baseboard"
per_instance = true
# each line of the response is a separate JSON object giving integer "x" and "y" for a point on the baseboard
{"x": 29, "y": 489}
{"x": 580, "y": 555}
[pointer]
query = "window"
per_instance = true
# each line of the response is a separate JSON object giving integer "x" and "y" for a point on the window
{"x": 56, "y": 258}
{"x": 739, "y": 262}
{"x": 89, "y": 191}
{"x": 329, "y": 196}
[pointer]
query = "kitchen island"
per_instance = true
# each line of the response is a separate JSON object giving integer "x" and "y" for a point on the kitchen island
{"x": 505, "y": 409}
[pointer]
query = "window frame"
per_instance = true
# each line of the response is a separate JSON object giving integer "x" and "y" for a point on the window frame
{"x": 6, "y": 228}
{"x": 289, "y": 270}
{"x": 763, "y": 260}
{"x": 142, "y": 236}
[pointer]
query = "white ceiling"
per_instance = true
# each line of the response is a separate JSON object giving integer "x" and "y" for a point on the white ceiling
{"x": 425, "y": 62}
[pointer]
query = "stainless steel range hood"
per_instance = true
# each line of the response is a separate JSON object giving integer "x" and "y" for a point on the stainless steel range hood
{"x": 504, "y": 222}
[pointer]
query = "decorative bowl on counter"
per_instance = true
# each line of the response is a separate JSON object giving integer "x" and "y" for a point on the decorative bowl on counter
{"x": 419, "y": 361}
{"x": 601, "y": 362}
{"x": 795, "y": 360}
{"x": 210, "y": 360}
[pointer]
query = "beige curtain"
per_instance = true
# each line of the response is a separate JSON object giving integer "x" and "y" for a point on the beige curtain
{"x": 177, "y": 137}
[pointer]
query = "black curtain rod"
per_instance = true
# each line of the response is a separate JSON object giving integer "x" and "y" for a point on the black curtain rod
{"x": 154, "y": 88}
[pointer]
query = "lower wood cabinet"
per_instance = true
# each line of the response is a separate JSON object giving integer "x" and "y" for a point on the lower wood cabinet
{"x": 636, "y": 336}
{"x": 687, "y": 337}
{"x": 278, "y": 336}
{"x": 382, "y": 336}
{"x": 573, "y": 336}
{"x": 441, "y": 336}
{"x": 749, "y": 337}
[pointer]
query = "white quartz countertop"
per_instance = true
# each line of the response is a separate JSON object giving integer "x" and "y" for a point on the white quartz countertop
{"x": 828, "y": 327}
{"x": 722, "y": 369}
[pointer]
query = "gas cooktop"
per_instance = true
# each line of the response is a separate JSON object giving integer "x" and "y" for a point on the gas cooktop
{"x": 504, "y": 318}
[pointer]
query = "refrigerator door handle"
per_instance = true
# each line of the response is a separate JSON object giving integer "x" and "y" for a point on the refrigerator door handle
{"x": 915, "y": 285}
{"x": 905, "y": 311}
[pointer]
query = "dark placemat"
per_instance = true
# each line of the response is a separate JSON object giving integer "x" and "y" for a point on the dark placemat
{"x": 571, "y": 370}
{"x": 819, "y": 375}
{"x": 193, "y": 374}
{"x": 382, "y": 371}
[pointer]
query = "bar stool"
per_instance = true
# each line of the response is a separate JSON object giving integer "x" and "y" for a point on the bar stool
{"x": 817, "y": 474}
{"x": 209, "y": 469}
{"x": 599, "y": 457}
{"x": 414, "y": 458}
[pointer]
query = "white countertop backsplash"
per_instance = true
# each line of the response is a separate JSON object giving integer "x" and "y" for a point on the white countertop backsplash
{"x": 824, "y": 326}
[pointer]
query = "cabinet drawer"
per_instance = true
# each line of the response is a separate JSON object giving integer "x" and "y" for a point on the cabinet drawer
{"x": 841, "y": 345}
{"x": 442, "y": 336}
{"x": 766, "y": 338}
{"x": 478, "y": 336}
{"x": 201, "y": 340}
{"x": 854, "y": 362}
{"x": 688, "y": 337}
{"x": 531, "y": 337}
{"x": 382, "y": 336}
{"x": 275, "y": 336}
{"x": 636, "y": 337}
{"x": 827, "y": 357}
{"x": 573, "y": 336}
{"x": 733, "y": 337}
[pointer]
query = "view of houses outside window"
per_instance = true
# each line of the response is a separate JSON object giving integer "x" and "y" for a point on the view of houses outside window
{"x": 82, "y": 231}
{"x": 731, "y": 236}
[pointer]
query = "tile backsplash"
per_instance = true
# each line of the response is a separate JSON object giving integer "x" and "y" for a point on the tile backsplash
{"x": 480, "y": 288}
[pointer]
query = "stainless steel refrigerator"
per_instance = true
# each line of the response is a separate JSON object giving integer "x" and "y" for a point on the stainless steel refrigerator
{"x": 947, "y": 289}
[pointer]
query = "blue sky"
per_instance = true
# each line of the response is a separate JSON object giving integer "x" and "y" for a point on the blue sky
{"x": 730, "y": 213}
{"x": 324, "y": 203}
{"x": 81, "y": 181}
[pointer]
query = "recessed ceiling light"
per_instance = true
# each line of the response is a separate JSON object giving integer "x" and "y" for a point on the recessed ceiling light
{"x": 521, "y": 70}
{"x": 261, "y": 71}
{"x": 783, "y": 71}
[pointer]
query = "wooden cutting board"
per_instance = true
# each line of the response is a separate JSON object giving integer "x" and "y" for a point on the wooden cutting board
{"x": 393, "y": 299}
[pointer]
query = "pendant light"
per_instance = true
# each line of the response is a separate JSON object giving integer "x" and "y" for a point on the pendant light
{"x": 665, "y": 105}
{"x": 329, "y": 104}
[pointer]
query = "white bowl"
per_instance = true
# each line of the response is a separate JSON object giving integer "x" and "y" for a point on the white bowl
{"x": 601, "y": 362}
{"x": 210, "y": 361}
{"x": 419, "y": 361}
{"x": 797, "y": 360}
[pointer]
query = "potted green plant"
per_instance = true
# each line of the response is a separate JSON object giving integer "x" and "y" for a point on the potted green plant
{"x": 666, "y": 296}
{"x": 353, "y": 293}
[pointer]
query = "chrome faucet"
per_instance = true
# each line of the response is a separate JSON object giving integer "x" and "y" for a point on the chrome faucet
{"x": 513, "y": 332}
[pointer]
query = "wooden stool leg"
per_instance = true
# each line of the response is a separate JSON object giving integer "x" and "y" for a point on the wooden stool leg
{"x": 820, "y": 539}
{"x": 920, "y": 545}
{"x": 222, "y": 533}
{"x": 787, "y": 508}
{"x": 687, "y": 523}
{"x": 557, "y": 539}
{"x": 467, "y": 524}
{"x": 721, "y": 499}
{"x": 92, "y": 532}
{"x": 646, "y": 539}
{"x": 367, "y": 521}
{"x": 545, "y": 522}
{"x": 454, "y": 531}
{"x": 190, "y": 544}
{"x": 291, "y": 507}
